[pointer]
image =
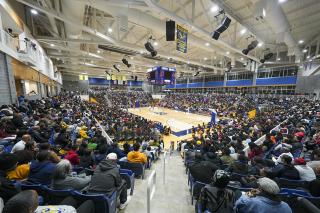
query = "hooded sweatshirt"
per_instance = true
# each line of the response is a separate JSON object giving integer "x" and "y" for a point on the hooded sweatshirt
{"x": 41, "y": 172}
{"x": 106, "y": 178}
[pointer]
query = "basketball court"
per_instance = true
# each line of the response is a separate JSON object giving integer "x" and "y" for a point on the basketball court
{"x": 180, "y": 122}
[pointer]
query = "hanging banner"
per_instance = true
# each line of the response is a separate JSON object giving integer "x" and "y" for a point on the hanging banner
{"x": 182, "y": 38}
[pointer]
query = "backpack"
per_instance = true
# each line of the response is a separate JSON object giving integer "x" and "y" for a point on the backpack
{"x": 217, "y": 200}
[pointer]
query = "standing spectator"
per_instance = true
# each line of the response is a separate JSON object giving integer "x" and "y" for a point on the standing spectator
{"x": 262, "y": 200}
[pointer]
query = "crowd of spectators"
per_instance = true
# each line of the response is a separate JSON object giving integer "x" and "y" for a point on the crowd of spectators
{"x": 47, "y": 141}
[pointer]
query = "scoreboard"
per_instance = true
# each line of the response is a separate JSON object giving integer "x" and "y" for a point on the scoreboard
{"x": 161, "y": 75}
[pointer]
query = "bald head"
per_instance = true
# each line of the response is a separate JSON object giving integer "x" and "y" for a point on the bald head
{"x": 26, "y": 138}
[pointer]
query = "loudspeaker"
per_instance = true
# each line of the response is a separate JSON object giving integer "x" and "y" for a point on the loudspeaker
{"x": 245, "y": 51}
{"x": 224, "y": 25}
{"x": 170, "y": 30}
{"x": 253, "y": 45}
{"x": 215, "y": 35}
{"x": 154, "y": 53}
{"x": 149, "y": 47}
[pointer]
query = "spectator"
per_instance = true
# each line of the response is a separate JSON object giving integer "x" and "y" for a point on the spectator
{"x": 215, "y": 197}
{"x": 115, "y": 149}
{"x": 73, "y": 156}
{"x": 64, "y": 179}
{"x": 21, "y": 144}
{"x": 54, "y": 158}
{"x": 27, "y": 202}
{"x": 41, "y": 170}
{"x": 262, "y": 200}
{"x": 101, "y": 155}
{"x": 284, "y": 170}
{"x": 255, "y": 150}
{"x": 201, "y": 170}
{"x": 8, "y": 163}
{"x": 315, "y": 162}
{"x": 213, "y": 158}
{"x": 86, "y": 159}
{"x": 306, "y": 173}
{"x": 106, "y": 179}
{"x": 239, "y": 166}
{"x": 135, "y": 156}
{"x": 226, "y": 158}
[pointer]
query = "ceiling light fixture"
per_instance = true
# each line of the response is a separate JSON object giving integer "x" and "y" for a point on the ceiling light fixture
{"x": 241, "y": 59}
{"x": 98, "y": 51}
{"x": 52, "y": 45}
{"x": 310, "y": 60}
{"x": 264, "y": 12}
{"x": 243, "y": 31}
{"x": 278, "y": 59}
{"x": 308, "y": 56}
{"x": 214, "y": 8}
{"x": 207, "y": 44}
{"x": 227, "y": 52}
{"x": 282, "y": 1}
{"x": 260, "y": 44}
{"x": 301, "y": 41}
{"x": 110, "y": 30}
{"x": 205, "y": 58}
{"x": 155, "y": 43}
{"x": 305, "y": 50}
{"x": 34, "y": 12}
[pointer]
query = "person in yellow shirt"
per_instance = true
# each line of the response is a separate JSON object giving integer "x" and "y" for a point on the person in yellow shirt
{"x": 136, "y": 156}
{"x": 21, "y": 172}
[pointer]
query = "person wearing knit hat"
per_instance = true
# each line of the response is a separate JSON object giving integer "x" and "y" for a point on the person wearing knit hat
{"x": 262, "y": 200}
{"x": 306, "y": 172}
{"x": 215, "y": 197}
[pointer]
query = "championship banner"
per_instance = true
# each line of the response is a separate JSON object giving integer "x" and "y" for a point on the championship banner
{"x": 182, "y": 38}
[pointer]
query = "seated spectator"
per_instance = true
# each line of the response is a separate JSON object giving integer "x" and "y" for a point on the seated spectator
{"x": 54, "y": 158}
{"x": 73, "y": 156}
{"x": 41, "y": 170}
{"x": 306, "y": 173}
{"x": 201, "y": 170}
{"x": 64, "y": 179}
{"x": 86, "y": 159}
{"x": 27, "y": 202}
{"x": 283, "y": 170}
{"x": 136, "y": 156}
{"x": 285, "y": 151}
{"x": 262, "y": 200}
{"x": 106, "y": 179}
{"x": 213, "y": 158}
{"x": 101, "y": 155}
{"x": 8, "y": 163}
{"x": 216, "y": 197}
{"x": 239, "y": 166}
{"x": 255, "y": 150}
{"x": 115, "y": 149}
{"x": 226, "y": 158}
{"x": 315, "y": 159}
{"x": 126, "y": 148}
{"x": 314, "y": 188}
{"x": 21, "y": 144}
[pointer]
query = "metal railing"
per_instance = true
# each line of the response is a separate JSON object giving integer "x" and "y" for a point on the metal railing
{"x": 151, "y": 188}
{"x": 164, "y": 166}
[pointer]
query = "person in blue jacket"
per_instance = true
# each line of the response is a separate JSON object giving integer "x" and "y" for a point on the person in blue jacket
{"x": 41, "y": 170}
{"x": 262, "y": 200}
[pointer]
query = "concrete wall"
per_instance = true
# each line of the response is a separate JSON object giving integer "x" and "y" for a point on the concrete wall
{"x": 72, "y": 83}
{"x": 7, "y": 83}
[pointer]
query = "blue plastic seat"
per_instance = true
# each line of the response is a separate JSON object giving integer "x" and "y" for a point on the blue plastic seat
{"x": 103, "y": 203}
{"x": 137, "y": 168}
{"x": 128, "y": 175}
{"x": 55, "y": 196}
{"x": 287, "y": 183}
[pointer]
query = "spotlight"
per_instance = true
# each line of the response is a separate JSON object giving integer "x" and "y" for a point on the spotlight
{"x": 34, "y": 12}
{"x": 116, "y": 68}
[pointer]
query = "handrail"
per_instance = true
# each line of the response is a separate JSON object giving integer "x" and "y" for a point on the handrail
{"x": 164, "y": 166}
{"x": 104, "y": 133}
{"x": 151, "y": 188}
{"x": 262, "y": 138}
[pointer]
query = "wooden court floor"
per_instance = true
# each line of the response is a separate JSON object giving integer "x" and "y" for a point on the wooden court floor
{"x": 177, "y": 120}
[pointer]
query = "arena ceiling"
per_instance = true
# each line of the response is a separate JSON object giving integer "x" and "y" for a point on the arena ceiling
{"x": 90, "y": 36}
